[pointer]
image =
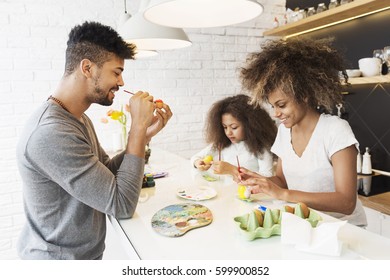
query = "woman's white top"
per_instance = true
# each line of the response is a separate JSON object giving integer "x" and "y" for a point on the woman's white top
{"x": 263, "y": 164}
{"x": 313, "y": 172}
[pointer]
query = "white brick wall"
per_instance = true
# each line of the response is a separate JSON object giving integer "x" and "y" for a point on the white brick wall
{"x": 33, "y": 36}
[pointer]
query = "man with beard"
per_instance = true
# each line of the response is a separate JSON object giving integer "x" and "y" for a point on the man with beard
{"x": 69, "y": 183}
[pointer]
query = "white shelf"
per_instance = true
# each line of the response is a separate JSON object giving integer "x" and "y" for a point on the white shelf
{"x": 370, "y": 80}
{"x": 357, "y": 8}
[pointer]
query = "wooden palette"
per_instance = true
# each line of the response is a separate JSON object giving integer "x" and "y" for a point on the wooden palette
{"x": 177, "y": 219}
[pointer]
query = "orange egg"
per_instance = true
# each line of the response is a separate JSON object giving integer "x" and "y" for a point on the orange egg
{"x": 305, "y": 209}
{"x": 289, "y": 209}
{"x": 159, "y": 103}
{"x": 259, "y": 216}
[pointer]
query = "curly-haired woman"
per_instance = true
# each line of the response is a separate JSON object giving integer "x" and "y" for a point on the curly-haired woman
{"x": 316, "y": 150}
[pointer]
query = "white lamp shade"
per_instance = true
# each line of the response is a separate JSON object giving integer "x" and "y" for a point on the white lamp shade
{"x": 149, "y": 36}
{"x": 144, "y": 53}
{"x": 201, "y": 13}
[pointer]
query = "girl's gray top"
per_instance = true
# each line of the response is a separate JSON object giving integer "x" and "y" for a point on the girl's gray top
{"x": 69, "y": 185}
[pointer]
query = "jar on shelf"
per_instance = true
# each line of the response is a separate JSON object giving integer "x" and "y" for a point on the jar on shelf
{"x": 333, "y": 4}
{"x": 284, "y": 21}
{"x": 301, "y": 14}
{"x": 321, "y": 7}
{"x": 276, "y": 22}
{"x": 294, "y": 17}
{"x": 310, "y": 11}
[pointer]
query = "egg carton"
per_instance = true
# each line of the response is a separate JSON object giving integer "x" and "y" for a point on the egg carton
{"x": 252, "y": 226}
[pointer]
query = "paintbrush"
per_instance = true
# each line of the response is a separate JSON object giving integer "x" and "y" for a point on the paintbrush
{"x": 238, "y": 164}
{"x": 158, "y": 102}
{"x": 238, "y": 168}
{"x": 128, "y": 92}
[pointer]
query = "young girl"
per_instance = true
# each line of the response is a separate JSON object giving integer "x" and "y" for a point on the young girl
{"x": 316, "y": 151}
{"x": 235, "y": 128}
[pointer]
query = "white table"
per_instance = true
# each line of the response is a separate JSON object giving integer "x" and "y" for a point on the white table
{"x": 221, "y": 239}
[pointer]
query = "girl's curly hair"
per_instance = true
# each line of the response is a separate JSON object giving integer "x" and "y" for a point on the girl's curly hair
{"x": 259, "y": 129}
{"x": 305, "y": 69}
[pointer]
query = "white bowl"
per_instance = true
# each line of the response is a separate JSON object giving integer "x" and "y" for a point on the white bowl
{"x": 353, "y": 73}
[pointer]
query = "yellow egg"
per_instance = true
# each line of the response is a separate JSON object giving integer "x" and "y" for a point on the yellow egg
{"x": 242, "y": 192}
{"x": 207, "y": 159}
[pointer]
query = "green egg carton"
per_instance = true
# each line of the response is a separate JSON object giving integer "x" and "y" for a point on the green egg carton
{"x": 250, "y": 228}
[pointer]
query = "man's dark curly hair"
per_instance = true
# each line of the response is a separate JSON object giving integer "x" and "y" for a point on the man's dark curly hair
{"x": 259, "y": 129}
{"x": 96, "y": 42}
{"x": 303, "y": 68}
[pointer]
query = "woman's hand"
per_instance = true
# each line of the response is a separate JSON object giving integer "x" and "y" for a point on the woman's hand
{"x": 260, "y": 184}
{"x": 246, "y": 174}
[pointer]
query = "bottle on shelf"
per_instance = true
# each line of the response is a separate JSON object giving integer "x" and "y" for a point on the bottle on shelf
{"x": 276, "y": 22}
{"x": 333, "y": 4}
{"x": 301, "y": 14}
{"x": 366, "y": 165}
{"x": 311, "y": 11}
{"x": 285, "y": 21}
{"x": 359, "y": 163}
{"x": 321, "y": 8}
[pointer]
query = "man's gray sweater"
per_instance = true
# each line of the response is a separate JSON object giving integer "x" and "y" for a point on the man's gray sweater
{"x": 69, "y": 185}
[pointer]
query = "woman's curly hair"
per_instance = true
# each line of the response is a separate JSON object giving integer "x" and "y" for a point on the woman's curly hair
{"x": 305, "y": 69}
{"x": 259, "y": 129}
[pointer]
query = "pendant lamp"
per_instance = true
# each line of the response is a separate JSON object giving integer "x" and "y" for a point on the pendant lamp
{"x": 201, "y": 13}
{"x": 144, "y": 53}
{"x": 150, "y": 36}
{"x": 138, "y": 52}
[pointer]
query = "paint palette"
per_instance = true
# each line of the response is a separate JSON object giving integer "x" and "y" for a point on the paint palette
{"x": 161, "y": 174}
{"x": 177, "y": 219}
{"x": 197, "y": 194}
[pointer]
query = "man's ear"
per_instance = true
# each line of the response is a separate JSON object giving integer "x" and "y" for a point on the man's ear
{"x": 86, "y": 67}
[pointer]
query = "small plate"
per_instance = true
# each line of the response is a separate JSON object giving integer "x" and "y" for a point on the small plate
{"x": 245, "y": 199}
{"x": 197, "y": 194}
